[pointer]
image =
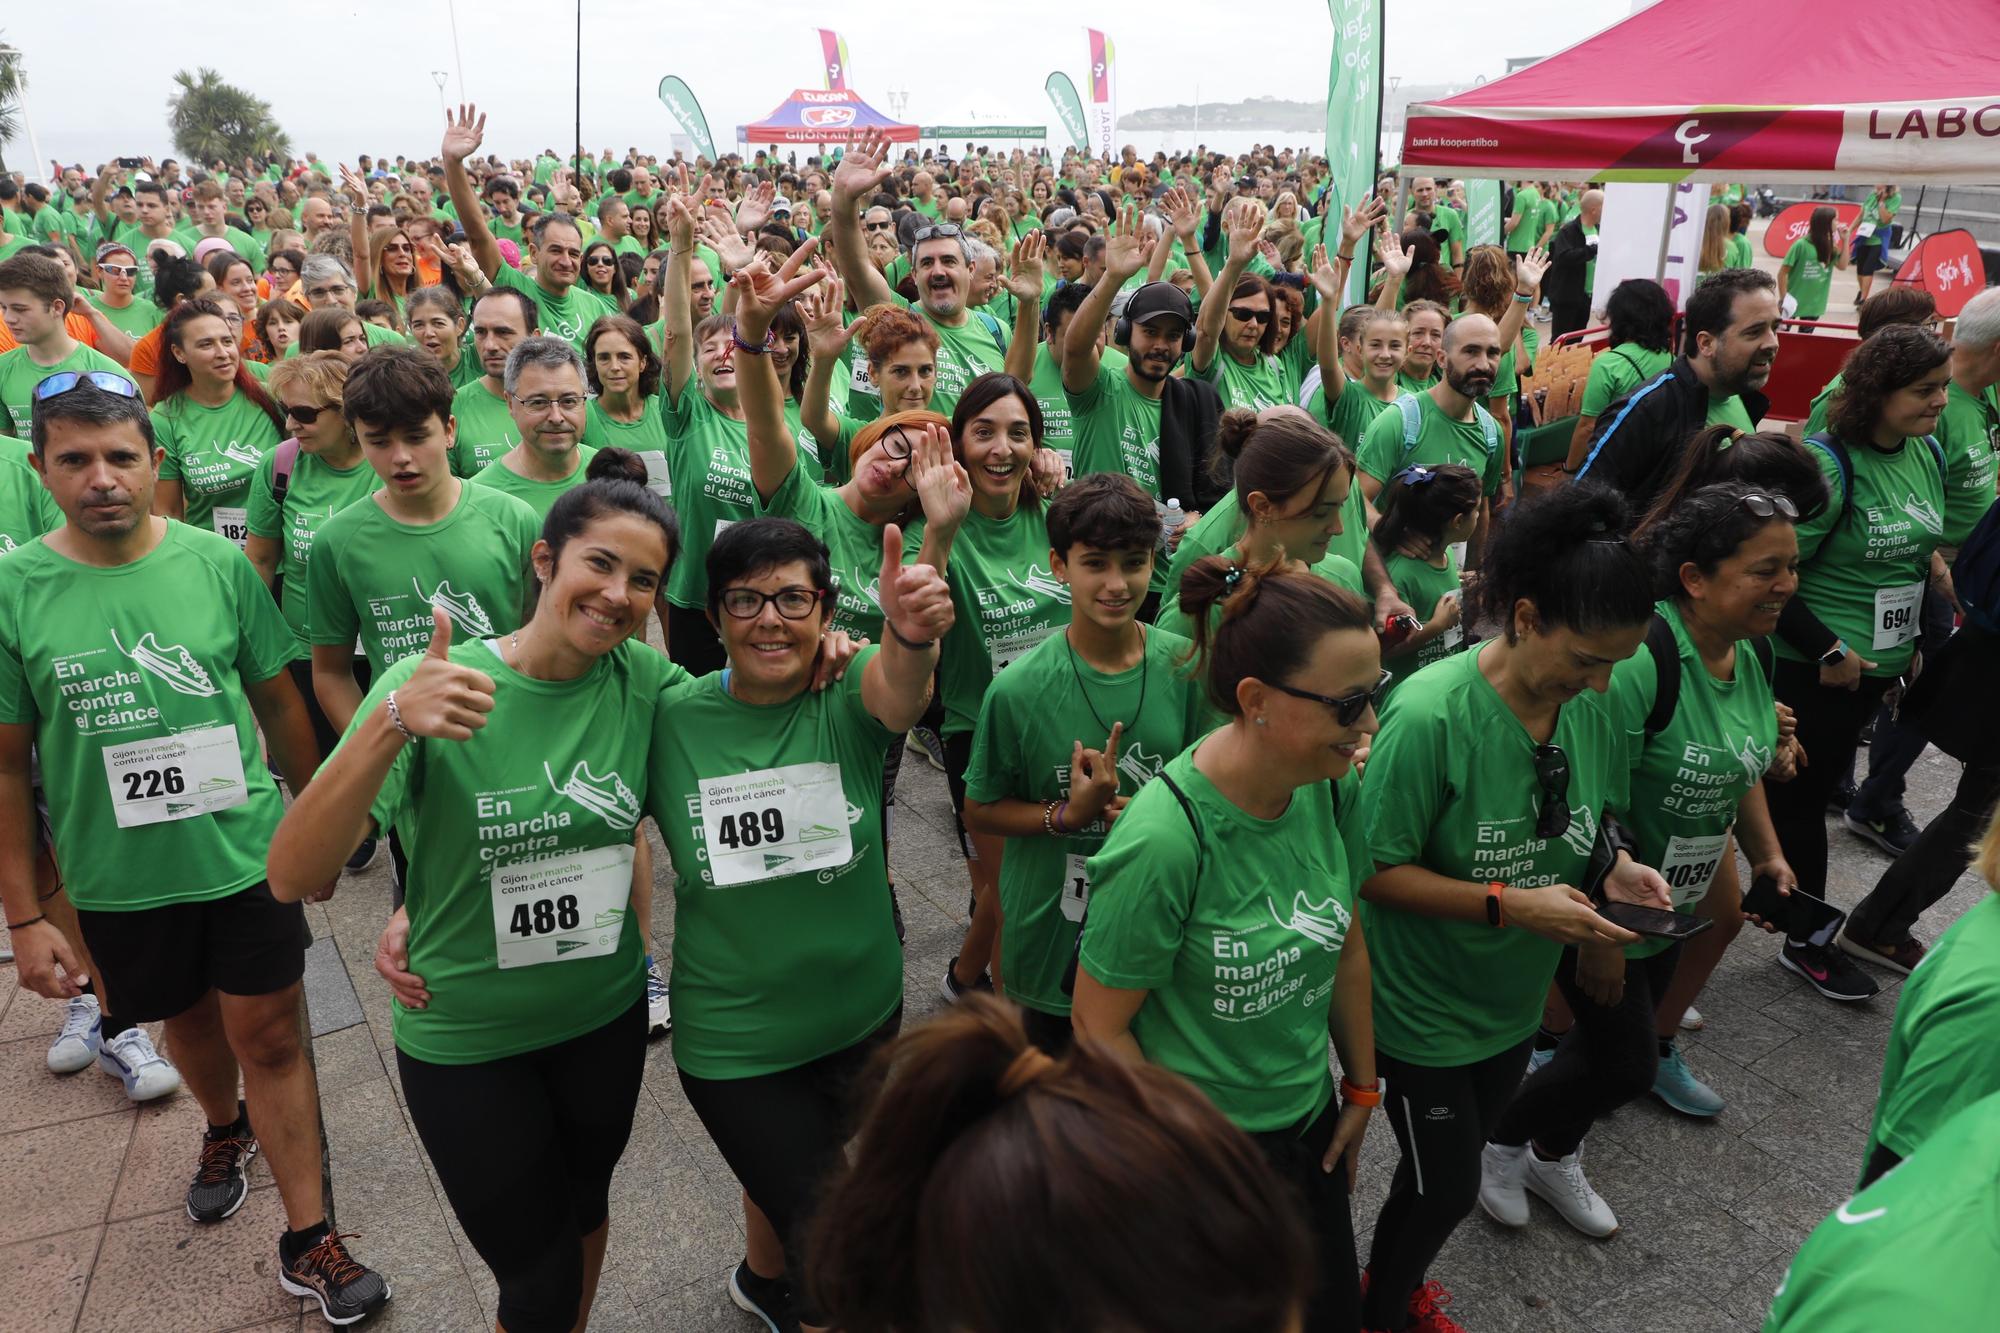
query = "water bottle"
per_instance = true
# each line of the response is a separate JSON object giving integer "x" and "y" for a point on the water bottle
{"x": 1170, "y": 523}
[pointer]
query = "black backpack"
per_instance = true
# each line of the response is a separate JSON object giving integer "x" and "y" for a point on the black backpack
{"x": 1666, "y": 651}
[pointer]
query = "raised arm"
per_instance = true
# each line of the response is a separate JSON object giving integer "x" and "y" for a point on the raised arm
{"x": 1329, "y": 280}
{"x": 827, "y": 336}
{"x": 1024, "y": 281}
{"x": 1396, "y": 264}
{"x": 676, "y": 306}
{"x": 463, "y": 134}
{"x": 1126, "y": 250}
{"x": 1185, "y": 214}
{"x": 1244, "y": 224}
{"x": 916, "y": 614}
{"x": 357, "y": 231}
{"x": 759, "y": 294}
{"x": 863, "y": 169}
{"x": 1528, "y": 271}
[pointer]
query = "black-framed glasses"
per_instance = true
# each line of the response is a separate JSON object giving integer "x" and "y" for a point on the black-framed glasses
{"x": 60, "y": 383}
{"x": 1245, "y": 315}
{"x": 1552, "y": 774}
{"x": 1765, "y": 506}
{"x": 878, "y": 226}
{"x": 1348, "y": 708}
{"x": 304, "y": 415}
{"x": 792, "y": 603}
{"x": 896, "y": 444}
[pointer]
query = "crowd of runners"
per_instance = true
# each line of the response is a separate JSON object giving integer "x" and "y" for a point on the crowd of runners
{"x": 1311, "y": 759}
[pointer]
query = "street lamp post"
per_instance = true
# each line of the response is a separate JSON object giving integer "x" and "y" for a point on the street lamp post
{"x": 440, "y": 77}
{"x": 27, "y": 118}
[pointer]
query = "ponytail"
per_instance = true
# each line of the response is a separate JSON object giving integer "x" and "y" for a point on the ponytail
{"x": 1273, "y": 614}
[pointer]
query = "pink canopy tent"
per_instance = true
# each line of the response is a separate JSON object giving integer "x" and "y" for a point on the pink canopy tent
{"x": 810, "y": 115}
{"x": 1717, "y": 90}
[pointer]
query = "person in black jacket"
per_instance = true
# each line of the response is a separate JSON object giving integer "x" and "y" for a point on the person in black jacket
{"x": 1570, "y": 253}
{"x": 1729, "y": 345}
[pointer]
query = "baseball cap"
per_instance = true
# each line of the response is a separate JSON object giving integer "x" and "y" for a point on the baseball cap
{"x": 1157, "y": 300}
{"x": 113, "y": 248}
{"x": 782, "y": 205}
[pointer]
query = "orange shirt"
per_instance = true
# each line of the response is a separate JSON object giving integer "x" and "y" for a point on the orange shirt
{"x": 78, "y": 326}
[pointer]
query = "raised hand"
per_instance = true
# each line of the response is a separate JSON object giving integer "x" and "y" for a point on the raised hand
{"x": 729, "y": 244}
{"x": 357, "y": 189}
{"x": 463, "y": 133}
{"x": 1528, "y": 270}
{"x": 940, "y": 480}
{"x": 1024, "y": 272}
{"x": 916, "y": 601}
{"x": 754, "y": 210}
{"x": 1268, "y": 248}
{"x": 1244, "y": 225}
{"x": 680, "y": 223}
{"x": 1396, "y": 261}
{"x": 827, "y": 329}
{"x": 865, "y": 166}
{"x": 1182, "y": 212}
{"x": 1093, "y": 779}
{"x": 1128, "y": 248}
{"x": 443, "y": 699}
{"x": 1355, "y": 222}
{"x": 760, "y": 292}
{"x": 1325, "y": 277}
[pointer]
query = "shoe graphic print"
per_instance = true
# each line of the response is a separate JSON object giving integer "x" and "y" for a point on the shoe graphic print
{"x": 1924, "y": 512}
{"x": 1139, "y": 766}
{"x": 171, "y": 663}
{"x": 463, "y": 608}
{"x": 1582, "y": 832}
{"x": 607, "y": 797}
{"x": 245, "y": 454}
{"x": 1755, "y": 758}
{"x": 1042, "y": 580}
{"x": 1325, "y": 923}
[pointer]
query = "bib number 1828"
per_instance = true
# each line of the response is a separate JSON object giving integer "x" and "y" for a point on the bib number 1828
{"x": 545, "y": 916}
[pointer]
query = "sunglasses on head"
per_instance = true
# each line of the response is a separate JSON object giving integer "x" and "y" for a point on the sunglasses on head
{"x": 1552, "y": 774}
{"x": 63, "y": 381}
{"x": 1764, "y": 506}
{"x": 936, "y": 231}
{"x": 1349, "y": 708}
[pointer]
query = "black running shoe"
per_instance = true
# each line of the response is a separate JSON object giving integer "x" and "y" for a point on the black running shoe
{"x": 1894, "y": 834}
{"x": 951, "y": 992}
{"x": 364, "y": 856}
{"x": 222, "y": 1177}
{"x": 896, "y": 914}
{"x": 768, "y": 1298}
{"x": 1828, "y": 971}
{"x": 347, "y": 1292}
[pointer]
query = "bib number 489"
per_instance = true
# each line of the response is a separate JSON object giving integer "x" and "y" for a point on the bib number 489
{"x": 545, "y": 916}
{"x": 751, "y": 828}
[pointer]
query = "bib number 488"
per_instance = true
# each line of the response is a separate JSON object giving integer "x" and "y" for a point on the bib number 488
{"x": 545, "y": 916}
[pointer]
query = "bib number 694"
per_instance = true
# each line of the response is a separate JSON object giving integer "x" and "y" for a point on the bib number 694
{"x": 545, "y": 916}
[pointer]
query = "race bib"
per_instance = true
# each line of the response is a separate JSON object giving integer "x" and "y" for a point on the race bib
{"x": 1076, "y": 888}
{"x": 1069, "y": 467}
{"x": 1864, "y": 231}
{"x": 774, "y": 822}
{"x": 723, "y": 525}
{"x": 657, "y": 479}
{"x": 561, "y": 908}
{"x": 1689, "y": 865}
{"x": 1896, "y": 614}
{"x": 175, "y": 777}
{"x": 233, "y": 523}
{"x": 1450, "y": 640}
{"x": 1005, "y": 649}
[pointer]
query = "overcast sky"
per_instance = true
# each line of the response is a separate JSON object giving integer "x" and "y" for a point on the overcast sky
{"x": 351, "y": 76}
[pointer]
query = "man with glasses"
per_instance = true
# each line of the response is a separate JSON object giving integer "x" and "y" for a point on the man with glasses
{"x": 546, "y": 396}
{"x": 35, "y": 301}
{"x": 568, "y": 306}
{"x": 141, "y": 658}
{"x": 970, "y": 343}
{"x": 327, "y": 281}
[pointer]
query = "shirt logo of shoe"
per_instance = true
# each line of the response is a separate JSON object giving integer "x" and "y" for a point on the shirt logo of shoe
{"x": 172, "y": 663}
{"x": 1582, "y": 832}
{"x": 1755, "y": 758}
{"x": 1140, "y": 766}
{"x": 463, "y": 608}
{"x": 606, "y": 797}
{"x": 6, "y": 543}
{"x": 1924, "y": 512}
{"x": 245, "y": 454}
{"x": 854, "y": 813}
{"x": 1040, "y": 579}
{"x": 817, "y": 833}
{"x": 1324, "y": 923}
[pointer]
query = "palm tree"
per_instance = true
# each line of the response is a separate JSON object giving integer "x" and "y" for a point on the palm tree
{"x": 212, "y": 119}
{"x": 13, "y": 82}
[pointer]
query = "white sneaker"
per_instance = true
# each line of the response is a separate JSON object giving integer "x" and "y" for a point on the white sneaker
{"x": 1562, "y": 1185}
{"x": 1501, "y": 1193}
{"x": 130, "y": 1058}
{"x": 76, "y": 1045}
{"x": 1692, "y": 1021}
{"x": 659, "y": 1005}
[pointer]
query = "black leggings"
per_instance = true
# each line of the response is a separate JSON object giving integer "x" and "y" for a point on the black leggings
{"x": 1829, "y": 729}
{"x": 1335, "y": 1303}
{"x": 1606, "y": 1060}
{"x": 782, "y": 1134}
{"x": 692, "y": 642}
{"x": 1932, "y": 865}
{"x": 524, "y": 1147}
{"x": 1442, "y": 1118}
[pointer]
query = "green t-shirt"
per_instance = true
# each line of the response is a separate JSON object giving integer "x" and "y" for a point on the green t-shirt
{"x": 1940, "y": 1056}
{"x": 740, "y": 948}
{"x": 213, "y": 452}
{"x": 1738, "y": 254}
{"x": 1969, "y": 430}
{"x": 1058, "y": 428}
{"x": 1618, "y": 371}
{"x": 1730, "y": 411}
{"x": 1689, "y": 780}
{"x": 646, "y": 437}
{"x": 19, "y": 375}
{"x": 1004, "y": 597}
{"x": 567, "y": 316}
{"x": 1863, "y": 565}
{"x": 1451, "y": 787}
{"x": 27, "y": 510}
{"x": 485, "y": 429}
{"x": 1528, "y": 206}
{"x": 1439, "y": 440}
{"x": 1421, "y": 583}
{"x": 1822, "y": 404}
{"x": 1870, "y": 230}
{"x": 1349, "y": 418}
{"x": 315, "y": 494}
{"x": 1032, "y": 717}
{"x": 854, "y": 548}
{"x": 1265, "y": 382}
{"x": 711, "y": 485}
{"x": 135, "y": 320}
{"x": 1810, "y": 280}
{"x": 1239, "y": 979}
{"x": 242, "y": 242}
{"x": 539, "y": 496}
{"x": 1223, "y": 526}
{"x": 1445, "y": 218}
{"x": 1919, "y": 1245}
{"x": 373, "y": 577}
{"x": 521, "y": 864}
{"x": 133, "y": 680}
{"x": 1117, "y": 429}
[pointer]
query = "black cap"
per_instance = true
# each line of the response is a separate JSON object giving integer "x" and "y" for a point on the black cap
{"x": 1155, "y": 299}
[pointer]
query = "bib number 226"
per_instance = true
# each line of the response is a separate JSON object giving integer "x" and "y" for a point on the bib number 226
{"x": 545, "y": 916}
{"x": 147, "y": 784}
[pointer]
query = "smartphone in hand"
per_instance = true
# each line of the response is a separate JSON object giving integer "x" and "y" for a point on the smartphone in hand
{"x": 1654, "y": 921}
{"x": 1788, "y": 912}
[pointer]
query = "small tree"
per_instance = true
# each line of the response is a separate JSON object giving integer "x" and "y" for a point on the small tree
{"x": 211, "y": 119}
{"x": 12, "y": 84}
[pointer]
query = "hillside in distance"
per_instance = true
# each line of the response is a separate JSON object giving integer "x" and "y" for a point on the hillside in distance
{"x": 1257, "y": 113}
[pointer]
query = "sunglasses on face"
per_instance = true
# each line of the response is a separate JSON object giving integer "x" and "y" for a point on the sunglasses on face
{"x": 120, "y": 270}
{"x": 302, "y": 414}
{"x": 748, "y": 603}
{"x": 1245, "y": 315}
{"x": 878, "y": 226}
{"x": 601, "y": 260}
{"x": 1552, "y": 774}
{"x": 1347, "y": 709}
{"x": 63, "y": 381}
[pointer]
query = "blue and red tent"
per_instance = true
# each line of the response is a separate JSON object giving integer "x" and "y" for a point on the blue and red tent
{"x": 811, "y": 115}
